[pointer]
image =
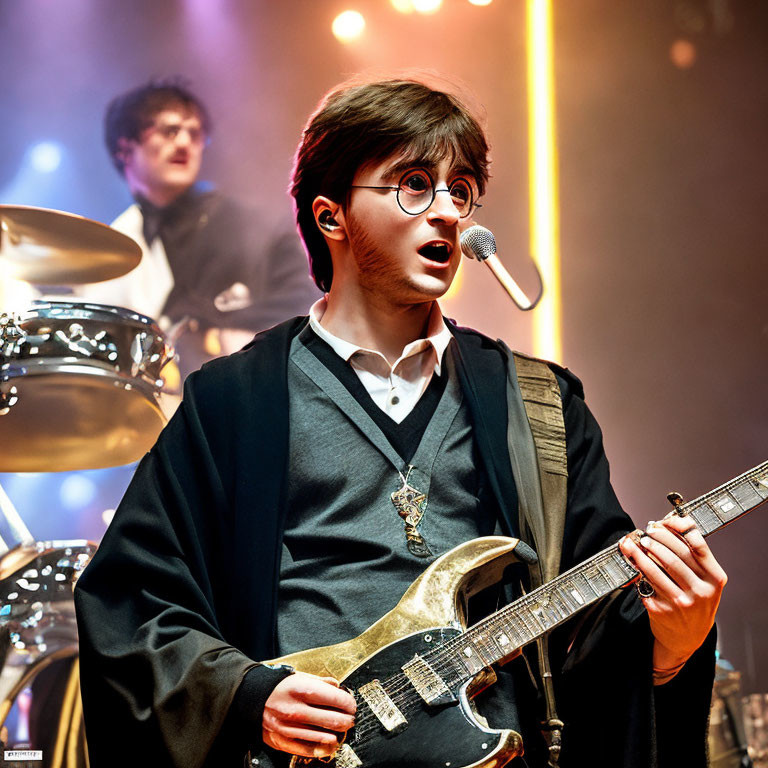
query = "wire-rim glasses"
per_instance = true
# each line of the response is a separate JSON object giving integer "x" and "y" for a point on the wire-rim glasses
{"x": 416, "y": 192}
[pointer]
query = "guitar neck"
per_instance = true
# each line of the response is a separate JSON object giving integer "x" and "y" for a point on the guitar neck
{"x": 548, "y": 606}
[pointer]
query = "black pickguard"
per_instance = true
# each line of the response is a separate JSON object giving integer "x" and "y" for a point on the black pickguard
{"x": 436, "y": 736}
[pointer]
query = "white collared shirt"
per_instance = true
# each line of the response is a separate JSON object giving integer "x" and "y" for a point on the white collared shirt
{"x": 144, "y": 289}
{"x": 394, "y": 388}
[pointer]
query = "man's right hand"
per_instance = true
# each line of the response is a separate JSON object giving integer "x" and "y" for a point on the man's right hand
{"x": 305, "y": 714}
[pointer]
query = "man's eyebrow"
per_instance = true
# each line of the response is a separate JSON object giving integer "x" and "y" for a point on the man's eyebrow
{"x": 398, "y": 168}
{"x": 403, "y": 165}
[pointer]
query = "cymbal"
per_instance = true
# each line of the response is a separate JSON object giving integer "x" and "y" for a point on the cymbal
{"x": 50, "y": 247}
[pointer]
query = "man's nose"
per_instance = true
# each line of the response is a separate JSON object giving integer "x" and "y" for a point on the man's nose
{"x": 443, "y": 208}
{"x": 183, "y": 138}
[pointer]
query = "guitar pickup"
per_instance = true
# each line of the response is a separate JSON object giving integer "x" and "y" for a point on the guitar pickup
{"x": 428, "y": 684}
{"x": 346, "y": 757}
{"x": 382, "y": 706}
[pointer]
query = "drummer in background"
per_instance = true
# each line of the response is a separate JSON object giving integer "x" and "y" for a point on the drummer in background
{"x": 213, "y": 271}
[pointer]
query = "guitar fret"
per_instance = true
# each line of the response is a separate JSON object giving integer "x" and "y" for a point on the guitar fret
{"x": 536, "y": 613}
{"x": 706, "y": 518}
{"x": 503, "y": 641}
{"x": 501, "y": 628}
{"x": 627, "y": 571}
{"x": 597, "y": 581}
{"x": 747, "y": 494}
{"x": 567, "y": 600}
{"x": 485, "y": 646}
{"x": 610, "y": 573}
{"x": 573, "y": 591}
{"x": 528, "y": 624}
{"x": 557, "y": 602}
{"x": 727, "y": 508}
{"x": 585, "y": 588}
{"x": 626, "y": 567}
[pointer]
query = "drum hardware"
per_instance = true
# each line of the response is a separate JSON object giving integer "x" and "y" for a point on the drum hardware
{"x": 19, "y": 530}
{"x": 80, "y": 386}
{"x": 39, "y": 635}
{"x": 48, "y": 247}
{"x": 727, "y": 737}
{"x": 756, "y": 722}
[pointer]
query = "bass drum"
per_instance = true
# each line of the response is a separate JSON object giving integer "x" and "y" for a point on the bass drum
{"x": 80, "y": 387}
{"x": 41, "y": 722}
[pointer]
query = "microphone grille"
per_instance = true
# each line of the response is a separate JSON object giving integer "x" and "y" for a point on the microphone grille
{"x": 478, "y": 242}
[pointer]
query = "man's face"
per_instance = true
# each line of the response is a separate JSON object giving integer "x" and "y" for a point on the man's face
{"x": 408, "y": 259}
{"x": 166, "y": 158}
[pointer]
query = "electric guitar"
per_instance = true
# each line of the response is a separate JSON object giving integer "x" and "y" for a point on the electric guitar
{"x": 414, "y": 671}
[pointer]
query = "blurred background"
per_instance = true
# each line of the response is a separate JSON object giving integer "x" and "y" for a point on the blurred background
{"x": 662, "y": 129}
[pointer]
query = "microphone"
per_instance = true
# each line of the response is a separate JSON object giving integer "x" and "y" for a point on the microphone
{"x": 479, "y": 243}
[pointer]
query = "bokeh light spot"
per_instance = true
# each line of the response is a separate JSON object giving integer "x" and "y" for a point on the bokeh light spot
{"x": 427, "y": 6}
{"x": 45, "y": 156}
{"x": 348, "y": 26}
{"x": 480, "y": 2}
{"x": 403, "y": 6}
{"x": 683, "y": 54}
{"x": 77, "y": 491}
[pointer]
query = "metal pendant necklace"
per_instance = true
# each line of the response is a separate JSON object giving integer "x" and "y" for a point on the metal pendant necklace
{"x": 411, "y": 504}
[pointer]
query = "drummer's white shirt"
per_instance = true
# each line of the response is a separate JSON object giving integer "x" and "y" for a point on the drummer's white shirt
{"x": 145, "y": 288}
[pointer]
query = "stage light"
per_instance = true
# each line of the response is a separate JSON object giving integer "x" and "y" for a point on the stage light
{"x": 348, "y": 26}
{"x": 427, "y": 6}
{"x": 480, "y": 2}
{"x": 77, "y": 491}
{"x": 403, "y": 6}
{"x": 45, "y": 156}
{"x": 683, "y": 54}
{"x": 543, "y": 177}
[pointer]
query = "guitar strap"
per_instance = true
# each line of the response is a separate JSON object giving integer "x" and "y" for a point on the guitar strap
{"x": 536, "y": 438}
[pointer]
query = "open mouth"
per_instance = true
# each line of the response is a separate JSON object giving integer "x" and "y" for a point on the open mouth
{"x": 436, "y": 251}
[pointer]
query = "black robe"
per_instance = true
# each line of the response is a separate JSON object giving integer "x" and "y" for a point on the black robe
{"x": 179, "y": 603}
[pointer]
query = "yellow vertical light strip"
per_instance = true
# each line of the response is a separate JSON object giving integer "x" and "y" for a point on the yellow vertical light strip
{"x": 543, "y": 177}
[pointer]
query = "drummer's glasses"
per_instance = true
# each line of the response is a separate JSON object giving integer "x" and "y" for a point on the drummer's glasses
{"x": 170, "y": 131}
{"x": 416, "y": 192}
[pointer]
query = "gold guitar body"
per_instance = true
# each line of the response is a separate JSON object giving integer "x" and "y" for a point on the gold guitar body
{"x": 437, "y": 599}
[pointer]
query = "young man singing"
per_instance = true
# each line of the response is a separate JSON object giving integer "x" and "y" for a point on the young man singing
{"x": 263, "y": 521}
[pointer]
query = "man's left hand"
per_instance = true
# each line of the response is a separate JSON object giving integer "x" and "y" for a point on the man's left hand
{"x": 687, "y": 580}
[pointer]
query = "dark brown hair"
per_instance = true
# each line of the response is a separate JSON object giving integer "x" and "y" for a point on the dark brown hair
{"x": 132, "y": 112}
{"x": 362, "y": 124}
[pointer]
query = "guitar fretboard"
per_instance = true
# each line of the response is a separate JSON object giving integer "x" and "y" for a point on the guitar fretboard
{"x": 543, "y": 609}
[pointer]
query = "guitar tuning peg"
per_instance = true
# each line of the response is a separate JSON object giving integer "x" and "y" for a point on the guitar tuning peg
{"x": 676, "y": 500}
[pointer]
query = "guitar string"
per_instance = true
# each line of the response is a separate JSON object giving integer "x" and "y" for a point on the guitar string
{"x": 442, "y": 656}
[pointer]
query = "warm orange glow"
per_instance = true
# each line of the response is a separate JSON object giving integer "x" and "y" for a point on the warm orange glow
{"x": 348, "y": 26}
{"x": 458, "y": 279}
{"x": 404, "y": 6}
{"x": 683, "y": 54}
{"x": 480, "y": 2}
{"x": 427, "y": 6}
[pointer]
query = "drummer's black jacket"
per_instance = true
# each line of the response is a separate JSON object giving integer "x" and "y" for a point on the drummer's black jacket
{"x": 179, "y": 602}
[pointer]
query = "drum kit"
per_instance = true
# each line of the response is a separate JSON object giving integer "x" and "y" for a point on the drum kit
{"x": 80, "y": 388}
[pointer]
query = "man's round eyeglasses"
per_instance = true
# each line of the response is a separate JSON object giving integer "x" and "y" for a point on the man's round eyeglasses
{"x": 416, "y": 192}
{"x": 169, "y": 132}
